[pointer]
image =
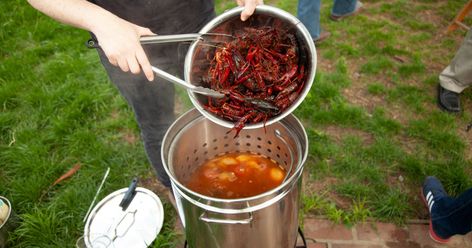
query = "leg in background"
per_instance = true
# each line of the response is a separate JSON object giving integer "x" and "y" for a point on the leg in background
{"x": 309, "y": 14}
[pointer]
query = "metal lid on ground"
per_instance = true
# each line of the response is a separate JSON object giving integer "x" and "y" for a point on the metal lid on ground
{"x": 137, "y": 225}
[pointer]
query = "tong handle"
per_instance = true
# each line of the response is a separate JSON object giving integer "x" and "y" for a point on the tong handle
{"x": 200, "y": 90}
{"x": 153, "y": 39}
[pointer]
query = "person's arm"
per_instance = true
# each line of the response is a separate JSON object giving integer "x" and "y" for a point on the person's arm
{"x": 118, "y": 38}
{"x": 249, "y": 7}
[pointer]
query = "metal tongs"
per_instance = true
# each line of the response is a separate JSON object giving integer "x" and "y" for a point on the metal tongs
{"x": 155, "y": 39}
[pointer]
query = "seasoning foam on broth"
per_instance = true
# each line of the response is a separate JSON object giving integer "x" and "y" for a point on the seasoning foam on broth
{"x": 236, "y": 175}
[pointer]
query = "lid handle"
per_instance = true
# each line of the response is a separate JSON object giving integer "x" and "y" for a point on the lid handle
{"x": 130, "y": 194}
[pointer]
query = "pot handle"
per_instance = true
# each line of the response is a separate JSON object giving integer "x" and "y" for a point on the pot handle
{"x": 204, "y": 217}
{"x": 129, "y": 195}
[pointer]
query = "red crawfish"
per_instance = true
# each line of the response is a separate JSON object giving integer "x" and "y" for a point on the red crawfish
{"x": 238, "y": 126}
{"x": 258, "y": 71}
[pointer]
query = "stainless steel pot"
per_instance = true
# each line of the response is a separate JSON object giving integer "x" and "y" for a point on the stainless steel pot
{"x": 196, "y": 62}
{"x": 269, "y": 219}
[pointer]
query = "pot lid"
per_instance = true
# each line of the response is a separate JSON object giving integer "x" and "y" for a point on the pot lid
{"x": 108, "y": 225}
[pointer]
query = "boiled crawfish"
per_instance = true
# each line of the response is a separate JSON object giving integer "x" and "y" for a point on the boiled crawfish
{"x": 261, "y": 64}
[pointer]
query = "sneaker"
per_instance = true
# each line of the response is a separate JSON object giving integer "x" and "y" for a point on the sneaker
{"x": 448, "y": 100}
{"x": 431, "y": 192}
{"x": 340, "y": 17}
{"x": 323, "y": 36}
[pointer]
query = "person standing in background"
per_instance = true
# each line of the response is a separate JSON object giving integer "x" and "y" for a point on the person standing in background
{"x": 309, "y": 14}
{"x": 456, "y": 77}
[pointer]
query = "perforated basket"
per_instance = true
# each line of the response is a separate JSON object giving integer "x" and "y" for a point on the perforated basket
{"x": 193, "y": 139}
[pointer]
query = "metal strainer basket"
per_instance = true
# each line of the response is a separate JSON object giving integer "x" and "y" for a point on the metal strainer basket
{"x": 197, "y": 62}
{"x": 202, "y": 140}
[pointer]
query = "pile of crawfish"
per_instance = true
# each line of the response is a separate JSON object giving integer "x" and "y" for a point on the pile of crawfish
{"x": 259, "y": 73}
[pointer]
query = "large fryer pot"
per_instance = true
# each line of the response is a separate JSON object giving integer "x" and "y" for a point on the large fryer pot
{"x": 197, "y": 62}
{"x": 269, "y": 219}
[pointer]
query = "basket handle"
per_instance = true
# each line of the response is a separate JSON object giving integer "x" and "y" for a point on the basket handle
{"x": 204, "y": 217}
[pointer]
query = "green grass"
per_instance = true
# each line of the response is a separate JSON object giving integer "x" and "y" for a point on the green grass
{"x": 376, "y": 88}
{"x": 374, "y": 128}
{"x": 58, "y": 109}
{"x": 380, "y": 152}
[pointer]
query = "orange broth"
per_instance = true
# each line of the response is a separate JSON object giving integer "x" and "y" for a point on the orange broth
{"x": 236, "y": 175}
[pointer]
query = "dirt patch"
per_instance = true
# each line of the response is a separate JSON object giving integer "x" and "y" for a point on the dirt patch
{"x": 467, "y": 138}
{"x": 357, "y": 94}
{"x": 323, "y": 187}
{"x": 339, "y": 133}
{"x": 324, "y": 65}
{"x": 320, "y": 185}
{"x": 129, "y": 136}
{"x": 150, "y": 182}
{"x": 408, "y": 144}
{"x": 397, "y": 181}
{"x": 115, "y": 114}
{"x": 430, "y": 16}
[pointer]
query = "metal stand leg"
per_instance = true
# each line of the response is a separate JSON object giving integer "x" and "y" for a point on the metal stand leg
{"x": 303, "y": 239}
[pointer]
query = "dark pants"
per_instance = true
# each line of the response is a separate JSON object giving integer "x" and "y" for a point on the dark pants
{"x": 152, "y": 102}
{"x": 454, "y": 215}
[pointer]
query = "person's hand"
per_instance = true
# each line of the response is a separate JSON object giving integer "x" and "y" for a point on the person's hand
{"x": 249, "y": 7}
{"x": 119, "y": 40}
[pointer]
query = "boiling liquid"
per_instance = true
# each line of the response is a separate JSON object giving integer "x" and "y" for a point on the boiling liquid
{"x": 236, "y": 175}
